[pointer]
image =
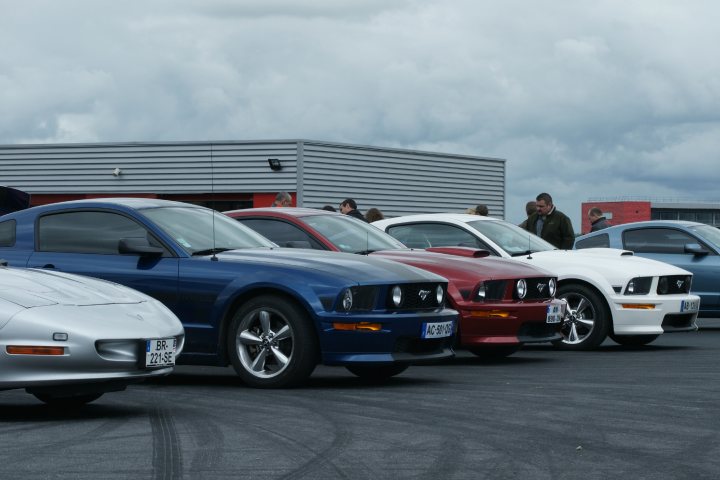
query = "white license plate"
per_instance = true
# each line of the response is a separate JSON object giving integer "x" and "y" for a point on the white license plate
{"x": 437, "y": 329}
{"x": 555, "y": 313}
{"x": 690, "y": 305}
{"x": 160, "y": 352}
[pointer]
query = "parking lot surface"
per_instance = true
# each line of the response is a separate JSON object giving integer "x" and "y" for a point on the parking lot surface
{"x": 618, "y": 412}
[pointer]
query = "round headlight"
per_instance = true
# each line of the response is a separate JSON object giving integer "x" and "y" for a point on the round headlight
{"x": 397, "y": 296}
{"x": 662, "y": 288}
{"x": 552, "y": 287}
{"x": 439, "y": 294}
{"x": 347, "y": 300}
{"x": 521, "y": 288}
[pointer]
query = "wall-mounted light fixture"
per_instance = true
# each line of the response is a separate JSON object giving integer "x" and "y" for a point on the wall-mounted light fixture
{"x": 117, "y": 172}
{"x": 274, "y": 164}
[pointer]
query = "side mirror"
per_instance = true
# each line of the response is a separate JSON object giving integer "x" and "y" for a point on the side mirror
{"x": 138, "y": 246}
{"x": 696, "y": 249}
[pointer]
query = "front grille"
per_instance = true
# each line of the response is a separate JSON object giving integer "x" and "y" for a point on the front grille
{"x": 679, "y": 322}
{"x": 418, "y": 346}
{"x": 674, "y": 284}
{"x": 536, "y": 331}
{"x": 412, "y": 298}
{"x": 537, "y": 289}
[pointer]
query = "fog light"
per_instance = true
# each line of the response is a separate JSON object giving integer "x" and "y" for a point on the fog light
{"x": 397, "y": 296}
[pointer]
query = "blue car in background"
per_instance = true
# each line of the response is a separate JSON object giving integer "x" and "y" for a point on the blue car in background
{"x": 689, "y": 245}
{"x": 273, "y": 313}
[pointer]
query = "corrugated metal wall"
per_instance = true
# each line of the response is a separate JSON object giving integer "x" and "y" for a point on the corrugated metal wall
{"x": 400, "y": 182}
{"x": 190, "y": 167}
{"x": 394, "y": 180}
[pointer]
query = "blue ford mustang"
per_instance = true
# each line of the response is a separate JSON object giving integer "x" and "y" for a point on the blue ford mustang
{"x": 274, "y": 313}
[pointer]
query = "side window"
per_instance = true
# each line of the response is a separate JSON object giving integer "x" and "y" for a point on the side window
{"x": 602, "y": 240}
{"x": 283, "y": 233}
{"x": 424, "y": 235}
{"x": 656, "y": 240}
{"x": 87, "y": 232}
{"x": 7, "y": 233}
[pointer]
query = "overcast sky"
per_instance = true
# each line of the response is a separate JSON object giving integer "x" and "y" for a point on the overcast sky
{"x": 584, "y": 99}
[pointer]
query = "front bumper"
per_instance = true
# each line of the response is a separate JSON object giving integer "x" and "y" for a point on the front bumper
{"x": 652, "y": 314}
{"x": 514, "y": 323}
{"x": 398, "y": 341}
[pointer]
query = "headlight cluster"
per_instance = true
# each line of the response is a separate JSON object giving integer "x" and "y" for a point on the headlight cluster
{"x": 639, "y": 286}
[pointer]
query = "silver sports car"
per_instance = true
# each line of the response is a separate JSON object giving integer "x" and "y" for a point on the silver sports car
{"x": 68, "y": 339}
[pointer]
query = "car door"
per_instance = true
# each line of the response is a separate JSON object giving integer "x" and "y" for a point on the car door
{"x": 667, "y": 244}
{"x": 86, "y": 242}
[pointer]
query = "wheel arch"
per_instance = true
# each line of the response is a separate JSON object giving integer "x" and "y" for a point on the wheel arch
{"x": 246, "y": 296}
{"x": 586, "y": 284}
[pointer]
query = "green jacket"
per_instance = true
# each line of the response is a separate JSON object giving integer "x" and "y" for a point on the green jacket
{"x": 557, "y": 229}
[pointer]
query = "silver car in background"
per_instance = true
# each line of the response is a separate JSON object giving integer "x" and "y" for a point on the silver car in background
{"x": 68, "y": 339}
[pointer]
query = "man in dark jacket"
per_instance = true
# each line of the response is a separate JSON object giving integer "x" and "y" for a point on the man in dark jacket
{"x": 597, "y": 220}
{"x": 349, "y": 207}
{"x": 550, "y": 224}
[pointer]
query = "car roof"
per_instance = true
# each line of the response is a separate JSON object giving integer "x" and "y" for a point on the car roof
{"x": 644, "y": 224}
{"x": 454, "y": 217}
{"x": 289, "y": 211}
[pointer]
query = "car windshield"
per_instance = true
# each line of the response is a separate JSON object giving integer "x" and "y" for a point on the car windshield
{"x": 707, "y": 233}
{"x": 198, "y": 229}
{"x": 352, "y": 235}
{"x": 511, "y": 238}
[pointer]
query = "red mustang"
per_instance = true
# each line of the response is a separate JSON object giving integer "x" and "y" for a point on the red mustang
{"x": 502, "y": 304}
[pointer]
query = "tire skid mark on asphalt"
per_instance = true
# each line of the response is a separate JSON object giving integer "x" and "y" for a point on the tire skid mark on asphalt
{"x": 320, "y": 458}
{"x": 313, "y": 468}
{"x": 209, "y": 440}
{"x": 22, "y": 453}
{"x": 167, "y": 454}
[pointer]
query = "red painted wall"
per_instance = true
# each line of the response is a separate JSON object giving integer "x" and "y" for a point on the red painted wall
{"x": 621, "y": 212}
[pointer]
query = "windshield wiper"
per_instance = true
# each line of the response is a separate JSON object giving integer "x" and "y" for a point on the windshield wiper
{"x": 210, "y": 251}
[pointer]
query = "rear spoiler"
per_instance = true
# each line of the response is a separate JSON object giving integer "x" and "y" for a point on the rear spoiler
{"x": 460, "y": 251}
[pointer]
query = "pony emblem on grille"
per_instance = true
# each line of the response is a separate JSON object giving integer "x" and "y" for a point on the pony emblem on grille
{"x": 423, "y": 294}
{"x": 680, "y": 283}
{"x": 541, "y": 287}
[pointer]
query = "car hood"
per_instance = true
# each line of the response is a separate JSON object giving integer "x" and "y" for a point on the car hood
{"x": 451, "y": 266}
{"x": 353, "y": 268}
{"x": 612, "y": 263}
{"x": 30, "y": 288}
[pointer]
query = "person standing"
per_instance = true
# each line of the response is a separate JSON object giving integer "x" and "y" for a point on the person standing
{"x": 551, "y": 224}
{"x": 282, "y": 199}
{"x": 482, "y": 209}
{"x": 373, "y": 215}
{"x": 597, "y": 219}
{"x": 349, "y": 207}
{"x": 530, "y": 208}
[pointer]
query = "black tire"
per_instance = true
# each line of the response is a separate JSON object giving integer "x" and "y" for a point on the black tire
{"x": 377, "y": 373}
{"x": 495, "y": 351}
{"x": 272, "y": 343}
{"x": 587, "y": 320}
{"x": 67, "y": 401}
{"x": 633, "y": 340}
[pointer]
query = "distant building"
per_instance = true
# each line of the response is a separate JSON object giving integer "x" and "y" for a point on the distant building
{"x": 241, "y": 174}
{"x": 628, "y": 211}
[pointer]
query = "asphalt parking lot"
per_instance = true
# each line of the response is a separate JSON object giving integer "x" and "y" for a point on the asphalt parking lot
{"x": 641, "y": 413}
